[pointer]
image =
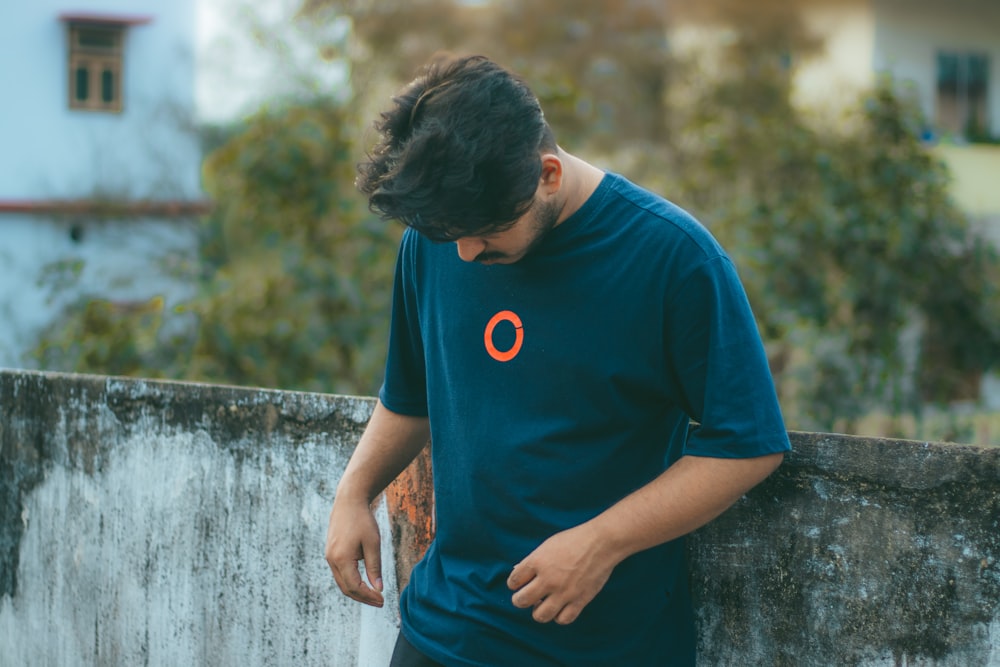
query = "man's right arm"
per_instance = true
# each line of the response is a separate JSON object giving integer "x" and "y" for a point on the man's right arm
{"x": 390, "y": 442}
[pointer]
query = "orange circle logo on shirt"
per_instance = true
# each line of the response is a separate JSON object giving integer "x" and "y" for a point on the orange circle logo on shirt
{"x": 504, "y": 316}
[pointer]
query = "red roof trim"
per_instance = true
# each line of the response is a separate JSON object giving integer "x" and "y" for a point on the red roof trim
{"x": 107, "y": 19}
{"x": 160, "y": 209}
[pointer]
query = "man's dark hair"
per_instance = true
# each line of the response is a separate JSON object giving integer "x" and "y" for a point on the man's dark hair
{"x": 460, "y": 150}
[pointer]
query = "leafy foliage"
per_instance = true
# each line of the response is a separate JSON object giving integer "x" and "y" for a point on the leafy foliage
{"x": 847, "y": 239}
{"x": 111, "y": 338}
{"x": 303, "y": 272}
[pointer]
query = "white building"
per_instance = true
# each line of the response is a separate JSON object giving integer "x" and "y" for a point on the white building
{"x": 949, "y": 54}
{"x": 946, "y": 53}
{"x": 99, "y": 160}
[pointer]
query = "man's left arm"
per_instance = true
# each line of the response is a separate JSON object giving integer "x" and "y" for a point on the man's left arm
{"x": 565, "y": 572}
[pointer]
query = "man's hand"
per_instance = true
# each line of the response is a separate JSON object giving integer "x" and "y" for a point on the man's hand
{"x": 353, "y": 536}
{"x": 569, "y": 569}
{"x": 562, "y": 575}
{"x": 387, "y": 446}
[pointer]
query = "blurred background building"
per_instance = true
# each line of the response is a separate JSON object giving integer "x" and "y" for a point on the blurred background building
{"x": 945, "y": 54}
{"x": 948, "y": 53}
{"x": 100, "y": 161}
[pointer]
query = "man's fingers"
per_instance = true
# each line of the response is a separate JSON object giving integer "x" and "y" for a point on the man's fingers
{"x": 353, "y": 538}
{"x": 372, "y": 552}
{"x": 546, "y": 610}
{"x": 349, "y": 579}
{"x": 568, "y": 614}
{"x": 529, "y": 595}
{"x": 346, "y": 570}
{"x": 520, "y": 575}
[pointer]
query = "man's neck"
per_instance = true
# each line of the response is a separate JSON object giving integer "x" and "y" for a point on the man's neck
{"x": 580, "y": 179}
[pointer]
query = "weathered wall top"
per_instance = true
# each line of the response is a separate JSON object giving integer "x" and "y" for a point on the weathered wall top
{"x": 168, "y": 523}
{"x": 859, "y": 551}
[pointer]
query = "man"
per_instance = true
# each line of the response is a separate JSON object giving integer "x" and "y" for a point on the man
{"x": 555, "y": 362}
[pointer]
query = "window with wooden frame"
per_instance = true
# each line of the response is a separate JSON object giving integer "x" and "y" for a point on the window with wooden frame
{"x": 95, "y": 66}
{"x": 963, "y": 94}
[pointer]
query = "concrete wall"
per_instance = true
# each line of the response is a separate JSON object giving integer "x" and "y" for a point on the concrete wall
{"x": 165, "y": 524}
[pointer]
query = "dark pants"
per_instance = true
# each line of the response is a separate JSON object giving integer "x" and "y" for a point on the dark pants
{"x": 404, "y": 655}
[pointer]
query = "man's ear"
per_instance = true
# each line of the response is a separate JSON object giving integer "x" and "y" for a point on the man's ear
{"x": 552, "y": 173}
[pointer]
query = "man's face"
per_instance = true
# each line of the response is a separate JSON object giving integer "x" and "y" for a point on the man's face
{"x": 513, "y": 243}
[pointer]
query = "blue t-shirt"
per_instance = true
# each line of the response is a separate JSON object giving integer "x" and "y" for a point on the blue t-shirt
{"x": 556, "y": 386}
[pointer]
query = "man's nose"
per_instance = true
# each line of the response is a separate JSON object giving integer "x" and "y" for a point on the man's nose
{"x": 470, "y": 248}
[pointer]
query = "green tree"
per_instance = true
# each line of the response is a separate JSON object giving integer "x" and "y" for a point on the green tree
{"x": 845, "y": 234}
{"x": 110, "y": 338}
{"x": 301, "y": 288}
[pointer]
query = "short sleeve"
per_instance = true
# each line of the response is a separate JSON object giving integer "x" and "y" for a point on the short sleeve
{"x": 714, "y": 347}
{"x": 404, "y": 389}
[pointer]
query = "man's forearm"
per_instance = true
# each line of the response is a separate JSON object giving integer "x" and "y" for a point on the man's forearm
{"x": 390, "y": 442}
{"x": 686, "y": 496}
